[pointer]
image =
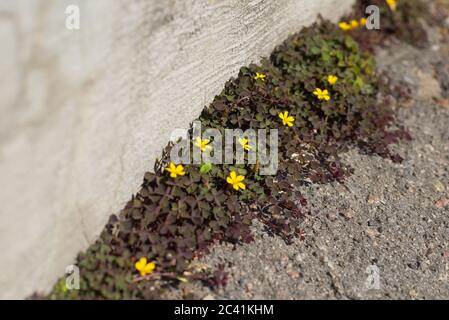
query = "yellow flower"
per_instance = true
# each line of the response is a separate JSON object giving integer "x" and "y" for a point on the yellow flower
{"x": 322, "y": 94}
{"x": 363, "y": 22}
{"x": 332, "y": 79}
{"x": 260, "y": 76}
{"x": 344, "y": 26}
{"x": 175, "y": 170}
{"x": 143, "y": 267}
{"x": 236, "y": 181}
{"x": 392, "y": 4}
{"x": 202, "y": 143}
{"x": 286, "y": 119}
{"x": 244, "y": 143}
{"x": 354, "y": 24}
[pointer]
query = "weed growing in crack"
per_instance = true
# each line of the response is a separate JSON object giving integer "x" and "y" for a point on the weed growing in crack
{"x": 319, "y": 90}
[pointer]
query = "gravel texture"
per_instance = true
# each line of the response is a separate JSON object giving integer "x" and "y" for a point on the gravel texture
{"x": 390, "y": 220}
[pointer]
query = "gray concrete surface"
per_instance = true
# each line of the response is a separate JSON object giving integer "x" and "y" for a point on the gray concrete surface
{"x": 389, "y": 221}
{"x": 86, "y": 112}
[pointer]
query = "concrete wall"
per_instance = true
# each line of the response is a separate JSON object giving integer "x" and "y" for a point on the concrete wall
{"x": 85, "y": 113}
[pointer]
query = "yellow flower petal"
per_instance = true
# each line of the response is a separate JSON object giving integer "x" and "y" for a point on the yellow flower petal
{"x": 282, "y": 115}
{"x": 332, "y": 79}
{"x": 322, "y": 94}
{"x": 244, "y": 143}
{"x": 235, "y": 180}
{"x": 286, "y": 119}
{"x": 175, "y": 170}
{"x": 202, "y": 143}
{"x": 344, "y": 26}
{"x": 392, "y": 4}
{"x": 149, "y": 268}
{"x": 140, "y": 264}
{"x": 260, "y": 76}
